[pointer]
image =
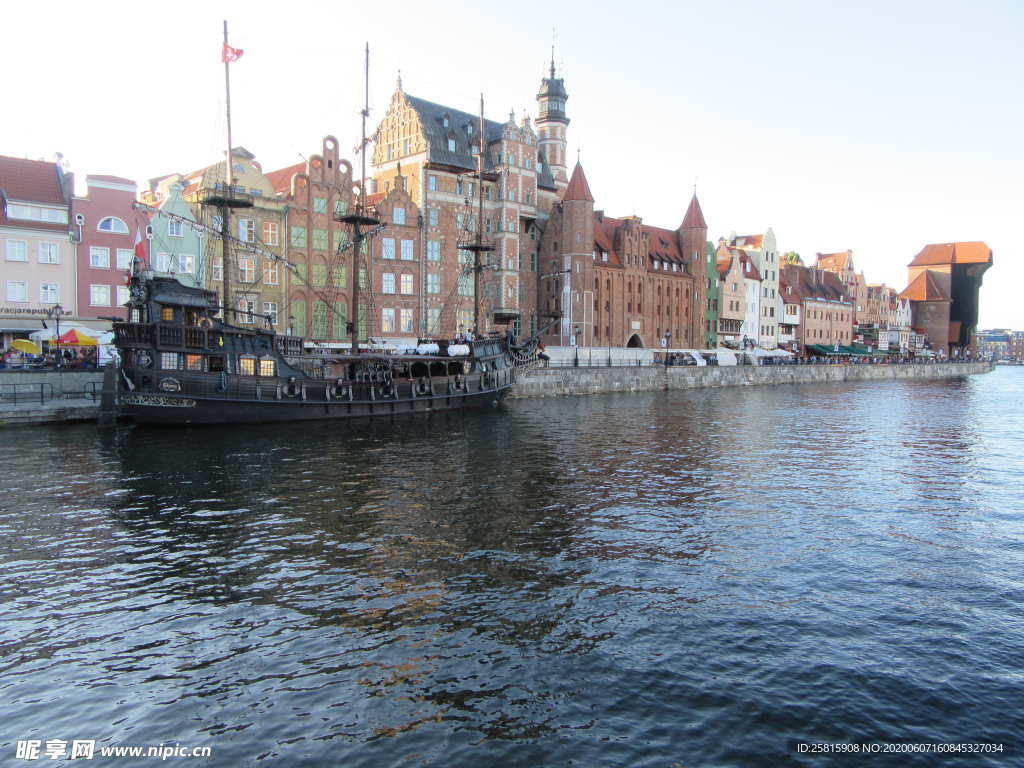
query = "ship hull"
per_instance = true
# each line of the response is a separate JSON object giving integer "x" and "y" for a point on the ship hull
{"x": 177, "y": 410}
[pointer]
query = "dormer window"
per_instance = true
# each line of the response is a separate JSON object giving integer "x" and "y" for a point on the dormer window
{"x": 451, "y": 145}
{"x": 445, "y": 121}
{"x": 469, "y": 129}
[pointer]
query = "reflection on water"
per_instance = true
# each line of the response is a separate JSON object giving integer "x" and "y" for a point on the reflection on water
{"x": 693, "y": 577}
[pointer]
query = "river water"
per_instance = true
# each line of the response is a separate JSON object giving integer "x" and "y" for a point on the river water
{"x": 687, "y": 579}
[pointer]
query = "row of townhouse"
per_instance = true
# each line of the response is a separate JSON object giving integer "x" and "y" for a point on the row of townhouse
{"x": 63, "y": 256}
{"x": 1001, "y": 344}
{"x": 557, "y": 264}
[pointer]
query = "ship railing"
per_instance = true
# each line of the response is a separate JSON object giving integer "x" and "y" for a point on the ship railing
{"x": 163, "y": 335}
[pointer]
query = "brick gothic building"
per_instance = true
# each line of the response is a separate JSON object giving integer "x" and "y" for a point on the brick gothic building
{"x": 620, "y": 282}
{"x": 944, "y": 282}
{"x": 433, "y": 149}
{"x": 319, "y": 290}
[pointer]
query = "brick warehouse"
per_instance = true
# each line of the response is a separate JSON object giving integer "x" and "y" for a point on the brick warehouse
{"x": 622, "y": 282}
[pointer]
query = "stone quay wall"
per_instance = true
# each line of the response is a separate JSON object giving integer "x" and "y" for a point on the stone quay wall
{"x": 556, "y": 382}
{"x": 66, "y": 383}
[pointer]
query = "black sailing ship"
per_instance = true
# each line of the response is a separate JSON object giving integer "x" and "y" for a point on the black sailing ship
{"x": 182, "y": 362}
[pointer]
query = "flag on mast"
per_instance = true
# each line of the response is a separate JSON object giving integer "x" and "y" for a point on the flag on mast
{"x": 140, "y": 248}
{"x": 231, "y": 54}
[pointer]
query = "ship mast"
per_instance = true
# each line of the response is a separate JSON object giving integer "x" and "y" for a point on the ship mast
{"x": 359, "y": 217}
{"x": 225, "y": 227}
{"x": 479, "y": 246}
{"x": 227, "y": 198}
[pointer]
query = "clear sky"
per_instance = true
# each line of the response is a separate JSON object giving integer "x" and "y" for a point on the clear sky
{"x": 873, "y": 126}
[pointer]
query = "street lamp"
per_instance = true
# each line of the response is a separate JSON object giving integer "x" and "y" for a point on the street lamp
{"x": 55, "y": 312}
{"x": 291, "y": 325}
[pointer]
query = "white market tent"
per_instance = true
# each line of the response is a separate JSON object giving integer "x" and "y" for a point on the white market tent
{"x": 49, "y": 334}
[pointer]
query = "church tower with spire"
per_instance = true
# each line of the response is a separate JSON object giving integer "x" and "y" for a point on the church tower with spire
{"x": 552, "y": 123}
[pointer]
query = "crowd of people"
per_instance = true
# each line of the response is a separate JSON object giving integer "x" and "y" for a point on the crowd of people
{"x": 70, "y": 357}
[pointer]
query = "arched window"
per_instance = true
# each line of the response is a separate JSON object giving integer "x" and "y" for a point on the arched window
{"x": 112, "y": 224}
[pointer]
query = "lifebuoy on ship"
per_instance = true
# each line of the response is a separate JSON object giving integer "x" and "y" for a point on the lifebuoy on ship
{"x": 293, "y": 388}
{"x": 422, "y": 386}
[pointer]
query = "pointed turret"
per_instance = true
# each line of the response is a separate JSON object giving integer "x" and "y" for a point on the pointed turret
{"x": 578, "y": 188}
{"x": 694, "y": 218}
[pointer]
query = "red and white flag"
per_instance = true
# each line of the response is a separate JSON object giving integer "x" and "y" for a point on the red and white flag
{"x": 230, "y": 54}
{"x": 140, "y": 248}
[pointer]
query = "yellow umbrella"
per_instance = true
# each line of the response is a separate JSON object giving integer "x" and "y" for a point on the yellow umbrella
{"x": 25, "y": 345}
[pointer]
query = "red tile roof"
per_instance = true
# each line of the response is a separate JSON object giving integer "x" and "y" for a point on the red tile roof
{"x": 111, "y": 179}
{"x": 33, "y": 181}
{"x": 748, "y": 241}
{"x": 694, "y": 218}
{"x": 36, "y": 181}
{"x": 973, "y": 252}
{"x": 833, "y": 262}
{"x": 578, "y": 188}
{"x": 925, "y": 287}
{"x": 281, "y": 179}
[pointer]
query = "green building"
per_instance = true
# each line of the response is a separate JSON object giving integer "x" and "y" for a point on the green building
{"x": 711, "y": 311}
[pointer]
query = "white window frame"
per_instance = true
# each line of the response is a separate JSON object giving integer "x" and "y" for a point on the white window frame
{"x": 387, "y": 283}
{"x": 271, "y": 233}
{"x": 406, "y": 321}
{"x": 97, "y": 251}
{"x": 14, "y": 294}
{"x": 10, "y": 251}
{"x": 53, "y": 289}
{"x": 387, "y": 248}
{"x": 398, "y": 214}
{"x": 387, "y": 320}
{"x": 117, "y": 226}
{"x": 407, "y": 286}
{"x": 433, "y": 282}
{"x": 174, "y": 228}
{"x": 124, "y": 258}
{"x": 247, "y": 269}
{"x": 270, "y": 308}
{"x": 186, "y": 263}
{"x": 99, "y": 291}
{"x": 163, "y": 262}
{"x": 408, "y": 251}
{"x": 123, "y": 294}
{"x": 247, "y": 230}
{"x": 433, "y": 250}
{"x": 52, "y": 250}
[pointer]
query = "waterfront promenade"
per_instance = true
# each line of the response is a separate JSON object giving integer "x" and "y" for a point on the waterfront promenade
{"x": 548, "y": 382}
{"x": 48, "y": 398}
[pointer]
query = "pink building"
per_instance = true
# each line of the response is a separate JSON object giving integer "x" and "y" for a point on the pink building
{"x": 37, "y": 257}
{"x": 105, "y": 225}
